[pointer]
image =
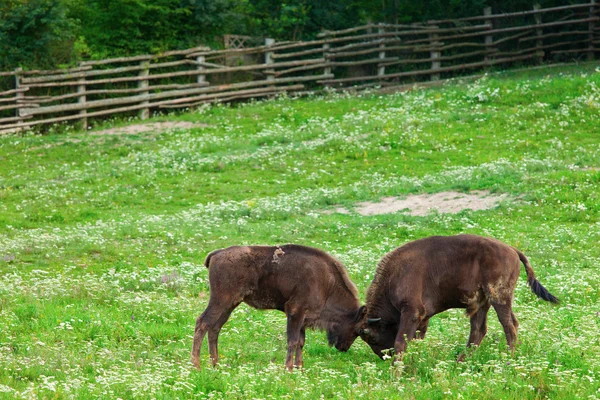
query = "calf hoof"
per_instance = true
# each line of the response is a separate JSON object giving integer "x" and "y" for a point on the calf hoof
{"x": 461, "y": 358}
{"x": 196, "y": 362}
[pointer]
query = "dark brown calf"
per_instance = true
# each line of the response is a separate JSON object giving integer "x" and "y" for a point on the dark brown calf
{"x": 425, "y": 277}
{"x": 309, "y": 285}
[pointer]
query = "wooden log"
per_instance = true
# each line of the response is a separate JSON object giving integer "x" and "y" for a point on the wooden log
{"x": 224, "y": 99}
{"x": 570, "y": 51}
{"x": 144, "y": 113}
{"x": 141, "y": 99}
{"x": 297, "y": 54}
{"x": 223, "y": 53}
{"x": 145, "y": 57}
{"x": 91, "y": 114}
{"x": 533, "y": 50}
{"x": 161, "y": 95}
{"x": 560, "y": 44}
{"x": 178, "y": 103}
{"x": 87, "y": 73}
{"x": 513, "y": 37}
{"x": 375, "y": 36}
{"x": 509, "y": 15}
{"x": 430, "y": 71}
{"x": 359, "y": 45}
{"x": 553, "y": 35}
{"x": 13, "y": 91}
{"x": 148, "y": 57}
{"x": 444, "y": 58}
{"x": 9, "y": 100}
{"x": 13, "y": 119}
{"x": 327, "y": 33}
{"x": 184, "y": 52}
{"x": 506, "y": 30}
{"x": 372, "y": 50}
{"x": 46, "y": 72}
{"x": 362, "y": 62}
{"x": 367, "y": 27}
{"x": 16, "y": 106}
{"x": 413, "y": 49}
{"x": 329, "y": 65}
{"x": 139, "y": 78}
{"x": 50, "y": 99}
{"x": 304, "y": 68}
{"x": 452, "y": 46}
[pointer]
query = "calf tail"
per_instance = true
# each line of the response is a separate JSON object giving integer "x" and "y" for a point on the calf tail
{"x": 209, "y": 256}
{"x": 536, "y": 287}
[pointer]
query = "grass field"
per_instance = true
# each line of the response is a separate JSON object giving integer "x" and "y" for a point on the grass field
{"x": 103, "y": 238}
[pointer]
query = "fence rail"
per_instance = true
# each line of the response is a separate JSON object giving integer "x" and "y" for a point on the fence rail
{"x": 369, "y": 55}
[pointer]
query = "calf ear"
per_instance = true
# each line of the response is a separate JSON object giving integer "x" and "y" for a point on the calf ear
{"x": 373, "y": 320}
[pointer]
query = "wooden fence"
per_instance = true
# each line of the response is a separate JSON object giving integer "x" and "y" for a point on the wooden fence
{"x": 364, "y": 56}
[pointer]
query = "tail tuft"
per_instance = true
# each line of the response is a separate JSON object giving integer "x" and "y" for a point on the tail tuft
{"x": 535, "y": 285}
{"x": 541, "y": 292}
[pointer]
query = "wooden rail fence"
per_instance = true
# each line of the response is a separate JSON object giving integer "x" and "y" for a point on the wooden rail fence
{"x": 364, "y": 56}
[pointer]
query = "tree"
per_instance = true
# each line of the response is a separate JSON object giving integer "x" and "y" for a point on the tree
{"x": 35, "y": 33}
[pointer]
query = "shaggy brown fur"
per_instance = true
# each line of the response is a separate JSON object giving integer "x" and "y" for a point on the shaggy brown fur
{"x": 309, "y": 285}
{"x": 425, "y": 277}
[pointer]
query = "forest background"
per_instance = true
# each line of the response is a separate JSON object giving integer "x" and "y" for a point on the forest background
{"x": 59, "y": 33}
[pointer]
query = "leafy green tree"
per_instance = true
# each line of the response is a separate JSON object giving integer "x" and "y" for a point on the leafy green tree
{"x": 35, "y": 33}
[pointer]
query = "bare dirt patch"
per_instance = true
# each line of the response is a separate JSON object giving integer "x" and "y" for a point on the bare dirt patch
{"x": 149, "y": 127}
{"x": 423, "y": 204}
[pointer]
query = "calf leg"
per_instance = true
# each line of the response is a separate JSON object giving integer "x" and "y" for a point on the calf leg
{"x": 478, "y": 326}
{"x": 410, "y": 320}
{"x": 211, "y": 321}
{"x": 515, "y": 322}
{"x": 507, "y": 319}
{"x": 298, "y": 360}
{"x": 295, "y": 324}
{"x": 213, "y": 334}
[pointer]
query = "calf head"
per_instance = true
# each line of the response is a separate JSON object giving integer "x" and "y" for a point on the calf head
{"x": 378, "y": 335}
{"x": 342, "y": 333}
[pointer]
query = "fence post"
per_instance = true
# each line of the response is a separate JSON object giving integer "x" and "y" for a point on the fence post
{"x": 435, "y": 54}
{"x": 326, "y": 47}
{"x": 201, "y": 77}
{"x": 539, "y": 43}
{"x": 381, "y": 68}
{"x": 81, "y": 100}
{"x": 591, "y": 27}
{"x": 19, "y": 94}
{"x": 489, "y": 39}
{"x": 143, "y": 84}
{"x": 269, "y": 59}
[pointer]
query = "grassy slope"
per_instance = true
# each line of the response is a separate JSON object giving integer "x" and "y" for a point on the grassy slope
{"x": 102, "y": 240}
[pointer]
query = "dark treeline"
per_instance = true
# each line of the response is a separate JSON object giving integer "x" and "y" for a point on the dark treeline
{"x": 54, "y": 33}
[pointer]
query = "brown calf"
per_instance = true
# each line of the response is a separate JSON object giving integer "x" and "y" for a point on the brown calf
{"x": 425, "y": 277}
{"x": 309, "y": 285}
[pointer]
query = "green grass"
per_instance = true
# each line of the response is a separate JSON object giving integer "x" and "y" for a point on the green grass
{"x": 103, "y": 238}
